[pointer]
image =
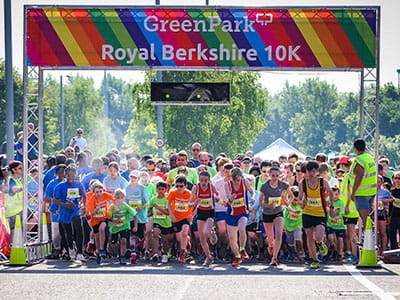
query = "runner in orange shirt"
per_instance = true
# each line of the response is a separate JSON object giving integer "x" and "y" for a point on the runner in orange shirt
{"x": 181, "y": 213}
{"x": 97, "y": 208}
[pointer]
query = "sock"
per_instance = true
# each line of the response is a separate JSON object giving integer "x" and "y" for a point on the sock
{"x": 238, "y": 256}
{"x": 242, "y": 249}
{"x": 91, "y": 241}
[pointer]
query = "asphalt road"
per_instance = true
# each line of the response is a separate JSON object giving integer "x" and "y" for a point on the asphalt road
{"x": 67, "y": 280}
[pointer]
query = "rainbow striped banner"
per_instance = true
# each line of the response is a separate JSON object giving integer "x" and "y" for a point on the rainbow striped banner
{"x": 203, "y": 37}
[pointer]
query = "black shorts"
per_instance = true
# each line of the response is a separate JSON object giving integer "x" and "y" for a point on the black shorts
{"x": 203, "y": 215}
{"x": 140, "y": 231}
{"x": 253, "y": 227}
{"x": 338, "y": 232}
{"x": 312, "y": 221}
{"x": 124, "y": 234}
{"x": 271, "y": 218}
{"x": 382, "y": 215}
{"x": 177, "y": 227}
{"x": 96, "y": 227}
{"x": 164, "y": 230}
{"x": 350, "y": 220}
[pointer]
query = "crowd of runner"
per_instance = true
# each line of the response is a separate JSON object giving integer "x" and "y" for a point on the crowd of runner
{"x": 201, "y": 207}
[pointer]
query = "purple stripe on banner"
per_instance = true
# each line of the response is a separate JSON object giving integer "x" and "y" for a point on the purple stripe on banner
{"x": 53, "y": 39}
{"x": 239, "y": 37}
{"x": 136, "y": 34}
{"x": 370, "y": 17}
{"x": 297, "y": 38}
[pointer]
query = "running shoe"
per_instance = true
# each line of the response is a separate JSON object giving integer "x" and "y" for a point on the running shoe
{"x": 154, "y": 257}
{"x": 339, "y": 258}
{"x": 98, "y": 259}
{"x": 213, "y": 238}
{"x": 102, "y": 253}
{"x": 352, "y": 258}
{"x": 314, "y": 265}
{"x": 164, "y": 258}
{"x": 133, "y": 258}
{"x": 274, "y": 263}
{"x": 80, "y": 257}
{"x": 208, "y": 261}
{"x": 146, "y": 255}
{"x": 122, "y": 261}
{"x": 322, "y": 248}
{"x": 90, "y": 247}
{"x": 188, "y": 257}
{"x": 72, "y": 253}
{"x": 66, "y": 256}
{"x": 244, "y": 255}
{"x": 236, "y": 262}
{"x": 54, "y": 255}
{"x": 181, "y": 257}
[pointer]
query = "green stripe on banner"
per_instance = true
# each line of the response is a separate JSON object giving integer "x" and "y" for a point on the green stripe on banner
{"x": 209, "y": 37}
{"x": 365, "y": 30}
{"x": 119, "y": 29}
{"x": 355, "y": 38}
{"x": 223, "y": 37}
{"x": 104, "y": 29}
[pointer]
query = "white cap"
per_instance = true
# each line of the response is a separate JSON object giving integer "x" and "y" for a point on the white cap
{"x": 135, "y": 173}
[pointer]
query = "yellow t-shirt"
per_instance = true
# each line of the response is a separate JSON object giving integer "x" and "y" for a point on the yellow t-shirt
{"x": 314, "y": 204}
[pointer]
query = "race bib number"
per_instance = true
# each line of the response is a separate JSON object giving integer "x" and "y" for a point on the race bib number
{"x": 158, "y": 214}
{"x": 396, "y": 202}
{"x": 275, "y": 200}
{"x": 238, "y": 202}
{"x": 135, "y": 205}
{"x": 119, "y": 222}
{"x": 205, "y": 202}
{"x": 72, "y": 194}
{"x": 100, "y": 213}
{"x": 314, "y": 202}
{"x": 380, "y": 205}
{"x": 293, "y": 216}
{"x": 336, "y": 222}
{"x": 181, "y": 206}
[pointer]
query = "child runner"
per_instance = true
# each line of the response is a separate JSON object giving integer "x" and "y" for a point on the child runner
{"x": 272, "y": 193}
{"x": 181, "y": 214}
{"x": 97, "y": 206}
{"x": 237, "y": 214}
{"x": 68, "y": 196}
{"x": 120, "y": 224}
{"x": 384, "y": 198}
{"x": 313, "y": 191}
{"x": 335, "y": 225}
{"x": 162, "y": 224}
{"x": 114, "y": 180}
{"x": 204, "y": 192}
{"x": 294, "y": 225}
{"x": 138, "y": 197}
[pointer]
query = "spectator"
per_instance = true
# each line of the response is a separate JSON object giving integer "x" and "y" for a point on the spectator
{"x": 78, "y": 140}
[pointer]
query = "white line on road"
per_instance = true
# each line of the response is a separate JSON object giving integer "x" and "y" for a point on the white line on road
{"x": 180, "y": 294}
{"x": 368, "y": 284}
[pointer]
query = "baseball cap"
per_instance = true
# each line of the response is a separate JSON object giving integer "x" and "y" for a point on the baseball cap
{"x": 344, "y": 160}
{"x": 247, "y": 159}
{"x": 135, "y": 173}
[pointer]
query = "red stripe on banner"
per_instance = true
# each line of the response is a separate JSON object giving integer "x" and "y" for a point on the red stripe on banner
{"x": 35, "y": 36}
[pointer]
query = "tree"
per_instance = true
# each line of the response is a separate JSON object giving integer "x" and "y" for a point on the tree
{"x": 18, "y": 101}
{"x": 120, "y": 107}
{"x": 230, "y": 129}
{"x": 389, "y": 117}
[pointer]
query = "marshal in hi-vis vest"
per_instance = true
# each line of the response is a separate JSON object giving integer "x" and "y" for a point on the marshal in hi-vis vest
{"x": 15, "y": 203}
{"x": 368, "y": 183}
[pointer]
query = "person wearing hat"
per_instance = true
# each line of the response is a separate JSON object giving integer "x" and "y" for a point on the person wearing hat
{"x": 246, "y": 165}
{"x": 363, "y": 179}
{"x": 138, "y": 197}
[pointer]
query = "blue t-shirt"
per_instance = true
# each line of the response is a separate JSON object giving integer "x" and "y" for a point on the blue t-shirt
{"x": 382, "y": 195}
{"x": 255, "y": 206}
{"x": 49, "y": 176}
{"x": 137, "y": 197}
{"x": 89, "y": 177}
{"x": 55, "y": 217}
{"x": 110, "y": 185}
{"x": 125, "y": 174}
{"x": 84, "y": 171}
{"x": 19, "y": 156}
{"x": 67, "y": 193}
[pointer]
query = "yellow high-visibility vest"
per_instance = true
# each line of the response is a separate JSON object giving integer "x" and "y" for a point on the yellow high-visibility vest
{"x": 368, "y": 185}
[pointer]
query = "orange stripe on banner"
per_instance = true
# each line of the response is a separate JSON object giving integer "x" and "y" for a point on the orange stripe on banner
{"x": 326, "y": 37}
{"x": 82, "y": 38}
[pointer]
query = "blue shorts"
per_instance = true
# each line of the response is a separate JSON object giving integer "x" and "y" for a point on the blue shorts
{"x": 364, "y": 202}
{"x": 234, "y": 220}
{"x": 220, "y": 216}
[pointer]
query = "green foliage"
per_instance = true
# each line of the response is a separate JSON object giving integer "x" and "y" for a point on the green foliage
{"x": 389, "y": 117}
{"x": 230, "y": 129}
{"x": 120, "y": 107}
{"x": 18, "y": 101}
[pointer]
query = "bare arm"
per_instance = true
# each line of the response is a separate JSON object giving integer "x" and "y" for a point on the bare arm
{"x": 359, "y": 172}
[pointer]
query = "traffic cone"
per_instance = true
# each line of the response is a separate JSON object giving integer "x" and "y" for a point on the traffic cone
{"x": 45, "y": 234}
{"x": 17, "y": 249}
{"x": 368, "y": 258}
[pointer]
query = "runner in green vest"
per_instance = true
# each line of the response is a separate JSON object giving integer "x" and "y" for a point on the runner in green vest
{"x": 363, "y": 180}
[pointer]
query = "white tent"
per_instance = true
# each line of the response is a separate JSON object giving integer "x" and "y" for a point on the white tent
{"x": 277, "y": 148}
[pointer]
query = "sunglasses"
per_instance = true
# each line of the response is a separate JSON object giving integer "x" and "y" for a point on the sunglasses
{"x": 69, "y": 151}
{"x": 151, "y": 170}
{"x": 196, "y": 150}
{"x": 396, "y": 177}
{"x": 20, "y": 168}
{"x": 79, "y": 132}
{"x": 179, "y": 186}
